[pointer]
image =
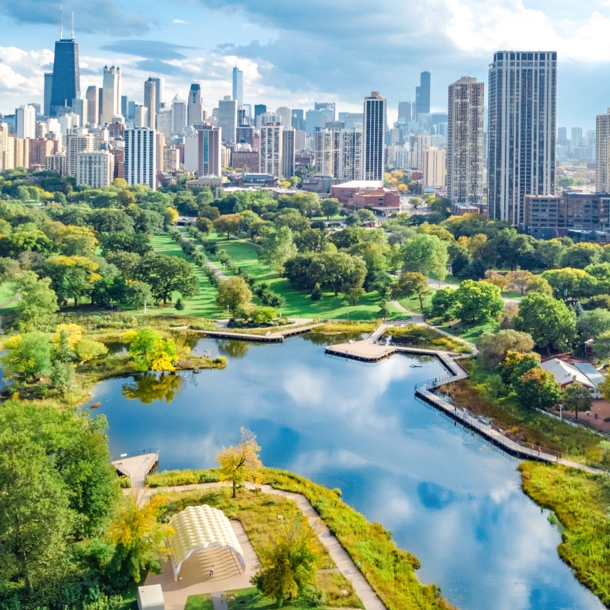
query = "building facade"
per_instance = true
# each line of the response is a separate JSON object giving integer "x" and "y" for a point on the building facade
{"x": 227, "y": 118}
{"x": 271, "y": 150}
{"x": 465, "y": 153}
{"x": 25, "y": 121}
{"x": 65, "y": 84}
{"x": 194, "y": 105}
{"x": 111, "y": 94}
{"x": 78, "y": 140}
{"x": 95, "y": 169}
{"x": 602, "y": 152}
{"x": 422, "y": 95}
{"x": 140, "y": 157}
{"x": 433, "y": 168}
{"x": 374, "y": 137}
{"x": 238, "y": 86}
{"x": 150, "y": 102}
{"x": 93, "y": 105}
{"x": 521, "y": 131}
{"x": 288, "y": 153}
{"x": 179, "y": 115}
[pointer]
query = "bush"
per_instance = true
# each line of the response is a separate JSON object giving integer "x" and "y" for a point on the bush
{"x": 172, "y": 478}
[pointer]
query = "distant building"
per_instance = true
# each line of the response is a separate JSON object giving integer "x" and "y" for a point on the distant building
{"x": 422, "y": 95}
{"x": 111, "y": 94}
{"x": 344, "y": 191}
{"x": 93, "y": 105}
{"x": 602, "y": 152}
{"x": 433, "y": 167}
{"x": 288, "y": 153}
{"x": 25, "y": 121}
{"x": 227, "y": 118}
{"x": 238, "y": 86}
{"x": 271, "y": 150}
{"x": 78, "y": 140}
{"x": 203, "y": 152}
{"x": 195, "y": 105}
{"x": 140, "y": 157}
{"x": 150, "y": 102}
{"x": 245, "y": 160}
{"x": 179, "y": 115}
{"x": 374, "y": 137}
{"x": 95, "y": 169}
{"x": 56, "y": 163}
{"x": 48, "y": 89}
{"x": 65, "y": 83}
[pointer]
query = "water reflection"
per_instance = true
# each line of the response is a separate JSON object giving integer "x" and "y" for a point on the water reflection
{"x": 152, "y": 386}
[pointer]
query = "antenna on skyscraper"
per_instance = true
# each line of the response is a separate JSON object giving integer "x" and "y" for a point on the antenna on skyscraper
{"x": 72, "y": 25}
{"x": 61, "y": 21}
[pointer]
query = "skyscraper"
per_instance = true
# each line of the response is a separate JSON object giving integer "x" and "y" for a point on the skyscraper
{"x": 48, "y": 89}
{"x": 195, "y": 107}
{"x": 25, "y": 121}
{"x": 297, "y": 120}
{"x": 238, "y": 86}
{"x": 433, "y": 167}
{"x": 465, "y": 142}
{"x": 374, "y": 137}
{"x": 521, "y": 131}
{"x": 422, "y": 95}
{"x": 271, "y": 150}
{"x": 285, "y": 116}
{"x": 227, "y": 118}
{"x": 150, "y": 101}
{"x": 405, "y": 112}
{"x": 111, "y": 94}
{"x": 202, "y": 151}
{"x": 602, "y": 153}
{"x": 259, "y": 109}
{"x": 158, "y": 92}
{"x": 288, "y": 153}
{"x": 179, "y": 115}
{"x": 93, "y": 105}
{"x": 326, "y": 108}
{"x": 140, "y": 157}
{"x": 66, "y": 74}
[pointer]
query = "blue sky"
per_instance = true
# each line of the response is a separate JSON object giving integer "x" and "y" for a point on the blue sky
{"x": 295, "y": 53}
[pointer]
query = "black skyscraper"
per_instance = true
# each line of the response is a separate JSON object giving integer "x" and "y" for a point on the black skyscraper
{"x": 422, "y": 95}
{"x": 66, "y": 75}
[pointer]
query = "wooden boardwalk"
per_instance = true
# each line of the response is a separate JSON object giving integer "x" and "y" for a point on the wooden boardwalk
{"x": 269, "y": 337}
{"x": 136, "y": 467}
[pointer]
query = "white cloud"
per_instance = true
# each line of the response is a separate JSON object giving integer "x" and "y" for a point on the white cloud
{"x": 180, "y": 21}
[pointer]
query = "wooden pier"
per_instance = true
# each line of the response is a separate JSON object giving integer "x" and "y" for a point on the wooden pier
{"x": 269, "y": 337}
{"x": 136, "y": 467}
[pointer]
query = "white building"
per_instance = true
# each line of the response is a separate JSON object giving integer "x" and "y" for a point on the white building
{"x": 179, "y": 115}
{"x": 227, "y": 118}
{"x": 285, "y": 115}
{"x": 195, "y": 106}
{"x": 433, "y": 167}
{"x": 203, "y": 151}
{"x": 238, "y": 86}
{"x": 271, "y": 150}
{"x": 111, "y": 94}
{"x": 171, "y": 159}
{"x": 25, "y": 121}
{"x": 164, "y": 122}
{"x": 140, "y": 157}
{"x": 141, "y": 116}
{"x": 95, "y": 169}
{"x": 77, "y": 141}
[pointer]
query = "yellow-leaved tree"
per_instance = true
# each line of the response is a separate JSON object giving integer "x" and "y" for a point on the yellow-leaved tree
{"x": 241, "y": 462}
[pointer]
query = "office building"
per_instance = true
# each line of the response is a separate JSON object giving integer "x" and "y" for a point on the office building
{"x": 78, "y": 140}
{"x": 194, "y": 106}
{"x": 374, "y": 137}
{"x": 93, "y": 105}
{"x": 521, "y": 131}
{"x": 259, "y": 109}
{"x": 164, "y": 122}
{"x": 405, "y": 112}
{"x": 158, "y": 92}
{"x": 141, "y": 157}
{"x": 576, "y": 139}
{"x": 141, "y": 118}
{"x": 227, "y": 118}
{"x": 297, "y": 120}
{"x": 285, "y": 115}
{"x": 465, "y": 153}
{"x": 150, "y": 102}
{"x": 65, "y": 82}
{"x": 271, "y": 150}
{"x": 179, "y": 115}
{"x": 125, "y": 106}
{"x": 48, "y": 90}
{"x": 95, "y": 169}
{"x": 79, "y": 108}
{"x": 245, "y": 135}
{"x": 314, "y": 120}
{"x": 433, "y": 175}
{"x": 238, "y": 86}
{"x": 326, "y": 108}
{"x": 602, "y": 152}
{"x": 422, "y": 95}
{"x": 25, "y": 121}
{"x": 111, "y": 94}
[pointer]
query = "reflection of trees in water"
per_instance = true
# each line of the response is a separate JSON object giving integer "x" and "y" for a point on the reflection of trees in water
{"x": 150, "y": 387}
{"x": 234, "y": 349}
{"x": 324, "y": 339}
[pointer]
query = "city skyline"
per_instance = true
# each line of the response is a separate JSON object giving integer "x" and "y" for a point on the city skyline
{"x": 168, "y": 43}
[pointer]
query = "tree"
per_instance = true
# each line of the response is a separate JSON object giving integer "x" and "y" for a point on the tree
{"x": 426, "y": 254}
{"x": 330, "y": 207}
{"x": 139, "y": 538}
{"x": 63, "y": 377}
{"x": 548, "y": 321}
{"x": 538, "y": 284}
{"x": 204, "y": 225}
{"x": 365, "y": 216}
{"x": 478, "y": 301}
{"x": 25, "y": 241}
{"x": 537, "y": 389}
{"x": 233, "y": 293}
{"x": 63, "y": 349}
{"x": 570, "y": 282}
{"x": 125, "y": 242}
{"x": 28, "y": 356}
{"x": 287, "y": 561}
{"x": 577, "y": 398}
{"x": 38, "y": 301}
{"x": 125, "y": 262}
{"x": 146, "y": 221}
{"x": 111, "y": 220}
{"x": 593, "y": 323}
{"x": 227, "y": 223}
{"x": 179, "y": 305}
{"x": 166, "y": 275}
{"x": 76, "y": 241}
{"x": 519, "y": 280}
{"x": 289, "y": 217}
{"x": 493, "y": 347}
{"x": 411, "y": 284}
{"x": 581, "y": 255}
{"x": 277, "y": 246}
{"x": 601, "y": 347}
{"x": 442, "y": 303}
{"x": 88, "y": 349}
{"x": 496, "y": 279}
{"x": 150, "y": 352}
{"x": 241, "y": 463}
{"x": 515, "y": 364}
{"x": 263, "y": 315}
{"x": 72, "y": 276}
{"x": 550, "y": 253}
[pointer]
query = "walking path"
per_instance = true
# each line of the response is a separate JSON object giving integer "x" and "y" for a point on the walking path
{"x": 216, "y": 270}
{"x": 338, "y": 554}
{"x": 268, "y": 337}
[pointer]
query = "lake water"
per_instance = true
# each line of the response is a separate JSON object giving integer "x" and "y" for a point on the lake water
{"x": 446, "y": 496}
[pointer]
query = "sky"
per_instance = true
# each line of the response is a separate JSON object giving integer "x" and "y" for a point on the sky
{"x": 295, "y": 53}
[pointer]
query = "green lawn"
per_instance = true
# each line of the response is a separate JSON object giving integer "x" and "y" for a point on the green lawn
{"x": 204, "y": 305}
{"x": 199, "y": 602}
{"x": 251, "y": 598}
{"x": 413, "y": 304}
{"x": 6, "y": 294}
{"x": 298, "y": 303}
{"x": 469, "y": 331}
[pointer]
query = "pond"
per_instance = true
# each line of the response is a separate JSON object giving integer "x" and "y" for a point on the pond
{"x": 446, "y": 496}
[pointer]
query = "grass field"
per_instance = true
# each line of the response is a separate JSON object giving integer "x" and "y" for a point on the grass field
{"x": 469, "y": 331}
{"x": 199, "y": 602}
{"x": 6, "y": 294}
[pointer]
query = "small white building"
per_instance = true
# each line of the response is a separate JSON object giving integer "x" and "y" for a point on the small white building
{"x": 566, "y": 373}
{"x": 151, "y": 597}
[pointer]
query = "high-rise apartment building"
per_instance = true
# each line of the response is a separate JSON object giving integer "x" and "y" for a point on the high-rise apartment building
{"x": 111, "y": 94}
{"x": 288, "y": 153}
{"x": 326, "y": 150}
{"x": 164, "y": 122}
{"x": 238, "y": 86}
{"x": 521, "y": 131}
{"x": 195, "y": 105}
{"x": 203, "y": 151}
{"x": 227, "y": 118}
{"x": 78, "y": 140}
{"x": 285, "y": 115}
{"x": 141, "y": 157}
{"x": 374, "y": 137}
{"x": 150, "y": 102}
{"x": 465, "y": 153}
{"x": 422, "y": 95}
{"x": 65, "y": 83}
{"x": 79, "y": 108}
{"x": 350, "y": 155}
{"x": 95, "y": 169}
{"x": 48, "y": 90}
{"x": 179, "y": 115}
{"x": 141, "y": 118}
{"x": 271, "y": 150}
{"x": 602, "y": 152}
{"x": 433, "y": 168}
{"x": 93, "y": 105}
{"x": 25, "y": 121}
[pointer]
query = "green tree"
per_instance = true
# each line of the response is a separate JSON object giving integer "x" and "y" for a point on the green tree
{"x": 27, "y": 356}
{"x": 38, "y": 301}
{"x": 601, "y": 346}
{"x": 233, "y": 293}
{"x": 72, "y": 276}
{"x": 550, "y": 323}
{"x": 581, "y": 255}
{"x": 277, "y": 246}
{"x": 570, "y": 282}
{"x": 150, "y": 352}
{"x": 125, "y": 242}
{"x": 443, "y": 303}
{"x": 263, "y": 315}
{"x": 227, "y": 223}
{"x": 365, "y": 216}
{"x": 88, "y": 349}
{"x": 25, "y": 241}
{"x": 550, "y": 253}
{"x": 411, "y": 284}
{"x": 539, "y": 284}
{"x": 62, "y": 348}
{"x": 537, "y": 389}
{"x": 204, "y": 225}
{"x": 147, "y": 222}
{"x": 241, "y": 462}
{"x": 150, "y": 387}
{"x": 63, "y": 377}
{"x": 515, "y": 364}
{"x": 109, "y": 220}
{"x": 166, "y": 275}
{"x": 577, "y": 398}
{"x": 478, "y": 301}
{"x": 426, "y": 254}
{"x": 493, "y": 347}
{"x": 593, "y": 323}
{"x": 76, "y": 241}
{"x": 125, "y": 262}
{"x": 330, "y": 207}
{"x": 289, "y": 217}
{"x": 138, "y": 293}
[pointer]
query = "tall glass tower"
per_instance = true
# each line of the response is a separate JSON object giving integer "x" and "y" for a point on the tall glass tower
{"x": 66, "y": 73}
{"x": 374, "y": 137}
{"x": 422, "y": 94}
{"x": 238, "y": 86}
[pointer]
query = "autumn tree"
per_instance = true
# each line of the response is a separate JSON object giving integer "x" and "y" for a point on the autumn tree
{"x": 537, "y": 389}
{"x": 27, "y": 356}
{"x": 150, "y": 352}
{"x": 493, "y": 347}
{"x": 241, "y": 463}
{"x": 577, "y": 398}
{"x": 515, "y": 364}
{"x": 72, "y": 276}
{"x": 233, "y": 293}
{"x": 519, "y": 280}
{"x": 538, "y": 284}
{"x": 496, "y": 279}
{"x": 76, "y": 241}
{"x": 227, "y": 223}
